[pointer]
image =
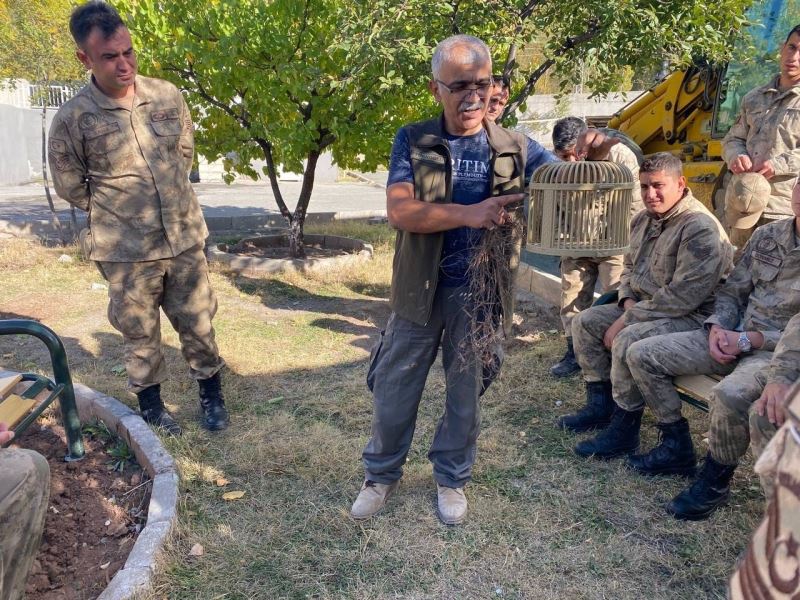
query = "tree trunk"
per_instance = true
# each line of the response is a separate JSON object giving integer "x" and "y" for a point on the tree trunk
{"x": 56, "y": 220}
{"x": 296, "y": 243}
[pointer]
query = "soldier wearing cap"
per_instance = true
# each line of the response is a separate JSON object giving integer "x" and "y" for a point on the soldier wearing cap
{"x": 765, "y": 140}
{"x": 24, "y": 492}
{"x": 122, "y": 149}
{"x": 752, "y": 310}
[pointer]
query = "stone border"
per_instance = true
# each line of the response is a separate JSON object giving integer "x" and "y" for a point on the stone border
{"x": 252, "y": 265}
{"x": 136, "y": 575}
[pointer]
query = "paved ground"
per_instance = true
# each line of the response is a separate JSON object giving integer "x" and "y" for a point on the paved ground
{"x": 28, "y": 202}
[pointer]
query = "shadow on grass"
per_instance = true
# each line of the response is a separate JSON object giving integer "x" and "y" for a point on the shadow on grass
{"x": 542, "y": 523}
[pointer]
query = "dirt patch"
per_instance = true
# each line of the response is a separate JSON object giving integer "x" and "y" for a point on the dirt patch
{"x": 246, "y": 248}
{"x": 94, "y": 515}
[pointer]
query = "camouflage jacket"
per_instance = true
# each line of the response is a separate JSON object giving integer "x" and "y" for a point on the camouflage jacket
{"x": 763, "y": 292}
{"x": 675, "y": 263}
{"x": 128, "y": 167}
{"x": 622, "y": 155}
{"x": 768, "y": 128}
{"x": 785, "y": 365}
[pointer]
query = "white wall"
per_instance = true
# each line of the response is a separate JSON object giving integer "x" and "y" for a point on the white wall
{"x": 21, "y": 143}
{"x": 543, "y": 110}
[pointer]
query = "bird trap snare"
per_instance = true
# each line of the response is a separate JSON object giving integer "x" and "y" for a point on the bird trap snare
{"x": 580, "y": 209}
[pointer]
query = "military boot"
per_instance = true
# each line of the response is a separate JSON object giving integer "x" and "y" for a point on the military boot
{"x": 568, "y": 365}
{"x": 153, "y": 411}
{"x": 597, "y": 412}
{"x": 674, "y": 454}
{"x": 215, "y": 416}
{"x": 710, "y": 490}
{"x": 619, "y": 438}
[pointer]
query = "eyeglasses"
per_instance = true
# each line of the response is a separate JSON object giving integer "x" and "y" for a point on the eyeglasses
{"x": 465, "y": 89}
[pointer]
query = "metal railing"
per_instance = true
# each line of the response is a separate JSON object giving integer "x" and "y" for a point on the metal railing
{"x": 55, "y": 95}
{"x": 23, "y": 94}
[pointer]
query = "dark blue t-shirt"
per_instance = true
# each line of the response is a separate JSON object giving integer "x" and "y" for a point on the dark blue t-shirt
{"x": 471, "y": 156}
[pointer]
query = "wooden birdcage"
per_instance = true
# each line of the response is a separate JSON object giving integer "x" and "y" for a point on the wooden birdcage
{"x": 580, "y": 209}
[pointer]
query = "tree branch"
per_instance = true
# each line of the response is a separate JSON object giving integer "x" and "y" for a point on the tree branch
{"x": 530, "y": 83}
{"x": 303, "y": 27}
{"x": 454, "y": 20}
{"x": 272, "y": 173}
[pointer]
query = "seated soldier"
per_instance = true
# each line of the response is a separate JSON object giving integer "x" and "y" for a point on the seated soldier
{"x": 768, "y": 412}
{"x": 752, "y": 309}
{"x": 678, "y": 255}
{"x": 768, "y": 568}
{"x": 579, "y": 275}
{"x": 24, "y": 492}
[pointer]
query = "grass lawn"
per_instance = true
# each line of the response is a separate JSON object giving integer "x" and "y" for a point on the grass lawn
{"x": 542, "y": 523}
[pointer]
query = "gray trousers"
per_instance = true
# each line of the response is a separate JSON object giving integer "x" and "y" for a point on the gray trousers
{"x": 398, "y": 371}
{"x": 655, "y": 361}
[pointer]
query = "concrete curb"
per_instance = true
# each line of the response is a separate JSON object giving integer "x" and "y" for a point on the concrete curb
{"x": 541, "y": 284}
{"x": 46, "y": 228}
{"x": 136, "y": 576}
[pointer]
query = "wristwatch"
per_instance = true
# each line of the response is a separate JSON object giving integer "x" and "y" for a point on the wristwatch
{"x": 743, "y": 343}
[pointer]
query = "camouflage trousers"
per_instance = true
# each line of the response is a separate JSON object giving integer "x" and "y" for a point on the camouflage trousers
{"x": 769, "y": 568}
{"x": 578, "y": 280}
{"x": 654, "y": 363}
{"x": 181, "y": 288}
{"x": 761, "y": 433}
{"x": 24, "y": 494}
{"x": 598, "y": 364}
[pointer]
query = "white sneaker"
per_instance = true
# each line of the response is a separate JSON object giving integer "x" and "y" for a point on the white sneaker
{"x": 452, "y": 505}
{"x": 372, "y": 498}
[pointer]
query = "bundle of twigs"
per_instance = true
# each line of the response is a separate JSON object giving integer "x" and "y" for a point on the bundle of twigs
{"x": 489, "y": 272}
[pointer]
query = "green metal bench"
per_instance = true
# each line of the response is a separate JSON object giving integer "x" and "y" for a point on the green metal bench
{"x": 60, "y": 387}
{"x": 693, "y": 389}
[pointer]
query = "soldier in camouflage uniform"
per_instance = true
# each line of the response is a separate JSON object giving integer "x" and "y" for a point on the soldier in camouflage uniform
{"x": 752, "y": 308}
{"x": 24, "y": 492}
{"x": 769, "y": 567}
{"x": 122, "y": 149}
{"x": 579, "y": 275}
{"x": 766, "y": 139}
{"x": 768, "y": 414}
{"x": 678, "y": 256}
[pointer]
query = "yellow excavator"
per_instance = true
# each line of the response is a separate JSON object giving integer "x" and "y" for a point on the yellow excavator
{"x": 689, "y": 112}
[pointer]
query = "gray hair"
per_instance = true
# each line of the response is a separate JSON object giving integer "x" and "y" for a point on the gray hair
{"x": 477, "y": 52}
{"x": 662, "y": 161}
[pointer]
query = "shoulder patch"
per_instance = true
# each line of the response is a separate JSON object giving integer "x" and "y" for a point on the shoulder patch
{"x": 62, "y": 162}
{"x": 58, "y": 146}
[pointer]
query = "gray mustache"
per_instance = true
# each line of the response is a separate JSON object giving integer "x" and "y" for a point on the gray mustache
{"x": 465, "y": 106}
